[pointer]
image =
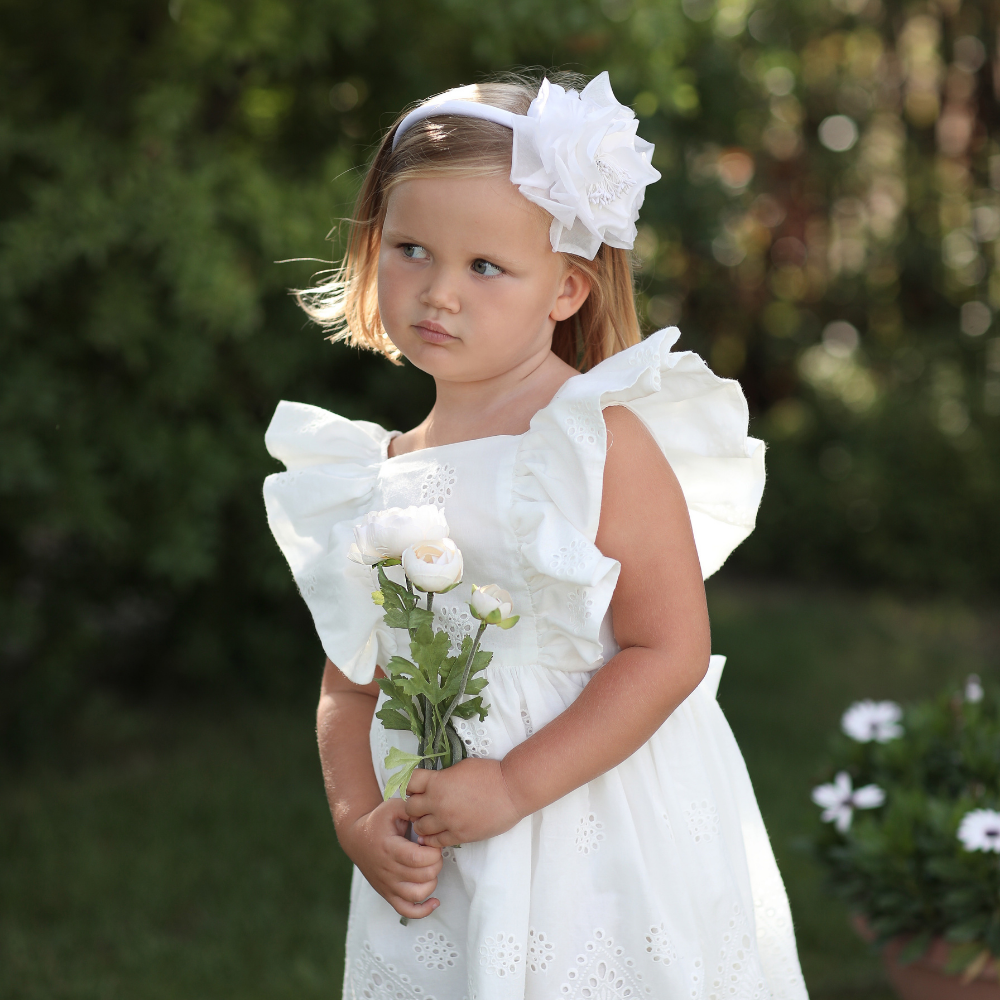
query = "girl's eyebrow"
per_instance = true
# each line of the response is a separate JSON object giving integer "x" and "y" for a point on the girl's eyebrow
{"x": 399, "y": 236}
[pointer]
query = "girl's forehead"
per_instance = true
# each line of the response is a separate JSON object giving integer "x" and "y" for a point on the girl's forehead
{"x": 476, "y": 202}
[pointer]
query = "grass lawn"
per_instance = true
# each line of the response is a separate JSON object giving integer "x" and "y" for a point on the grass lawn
{"x": 192, "y": 857}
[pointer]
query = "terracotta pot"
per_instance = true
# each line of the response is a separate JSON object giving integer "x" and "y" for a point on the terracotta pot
{"x": 925, "y": 979}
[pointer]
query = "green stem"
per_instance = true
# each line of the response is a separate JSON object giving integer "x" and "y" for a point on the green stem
{"x": 430, "y": 600}
{"x": 427, "y": 734}
{"x": 465, "y": 675}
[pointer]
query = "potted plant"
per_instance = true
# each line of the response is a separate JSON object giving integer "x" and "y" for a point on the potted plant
{"x": 910, "y": 837}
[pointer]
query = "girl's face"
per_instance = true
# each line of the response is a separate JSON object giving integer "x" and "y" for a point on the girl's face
{"x": 468, "y": 285}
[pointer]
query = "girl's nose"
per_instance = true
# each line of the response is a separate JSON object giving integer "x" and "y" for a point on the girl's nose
{"x": 440, "y": 293}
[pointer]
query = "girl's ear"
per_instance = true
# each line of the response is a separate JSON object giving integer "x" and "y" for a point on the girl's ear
{"x": 572, "y": 294}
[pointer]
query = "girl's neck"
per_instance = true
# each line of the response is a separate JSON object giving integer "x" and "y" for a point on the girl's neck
{"x": 503, "y": 404}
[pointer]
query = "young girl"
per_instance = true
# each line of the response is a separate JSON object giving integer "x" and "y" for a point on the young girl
{"x": 611, "y": 845}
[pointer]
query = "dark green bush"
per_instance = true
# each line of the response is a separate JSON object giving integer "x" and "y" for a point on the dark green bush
{"x": 158, "y": 159}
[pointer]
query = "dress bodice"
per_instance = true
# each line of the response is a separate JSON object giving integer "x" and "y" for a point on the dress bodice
{"x": 523, "y": 509}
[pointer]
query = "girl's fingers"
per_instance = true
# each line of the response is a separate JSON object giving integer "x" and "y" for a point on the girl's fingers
{"x": 416, "y": 805}
{"x": 428, "y": 826}
{"x": 405, "y": 852}
{"x": 418, "y": 782}
{"x": 413, "y": 910}
{"x": 404, "y": 873}
{"x": 444, "y": 839}
{"x": 415, "y": 892}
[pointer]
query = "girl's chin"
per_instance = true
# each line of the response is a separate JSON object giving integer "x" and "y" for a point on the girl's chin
{"x": 441, "y": 364}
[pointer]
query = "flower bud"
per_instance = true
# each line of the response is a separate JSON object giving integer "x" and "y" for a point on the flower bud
{"x": 491, "y": 604}
{"x": 433, "y": 566}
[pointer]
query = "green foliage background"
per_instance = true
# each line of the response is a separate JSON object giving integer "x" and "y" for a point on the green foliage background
{"x": 159, "y": 159}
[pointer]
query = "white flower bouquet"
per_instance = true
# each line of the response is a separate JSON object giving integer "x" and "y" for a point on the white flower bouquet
{"x": 912, "y": 832}
{"x": 427, "y": 692}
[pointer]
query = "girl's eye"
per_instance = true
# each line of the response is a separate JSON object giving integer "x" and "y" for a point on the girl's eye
{"x": 485, "y": 268}
{"x": 414, "y": 252}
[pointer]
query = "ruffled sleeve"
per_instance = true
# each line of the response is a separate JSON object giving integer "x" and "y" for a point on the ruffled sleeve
{"x": 699, "y": 420}
{"x": 333, "y": 466}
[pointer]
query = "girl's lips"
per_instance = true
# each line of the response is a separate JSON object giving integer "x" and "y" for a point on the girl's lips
{"x": 433, "y": 333}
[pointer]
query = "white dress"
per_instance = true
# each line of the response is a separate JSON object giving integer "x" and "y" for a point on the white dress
{"x": 654, "y": 880}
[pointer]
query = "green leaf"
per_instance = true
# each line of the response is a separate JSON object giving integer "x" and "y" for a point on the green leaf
{"x": 395, "y": 592}
{"x": 419, "y": 617}
{"x": 407, "y": 764}
{"x": 482, "y": 661}
{"x": 915, "y": 947}
{"x": 430, "y": 650}
{"x": 393, "y": 719}
{"x": 467, "y": 709}
{"x": 509, "y": 622}
{"x": 396, "y": 617}
{"x": 418, "y": 686}
{"x": 400, "y": 666}
{"x": 378, "y": 597}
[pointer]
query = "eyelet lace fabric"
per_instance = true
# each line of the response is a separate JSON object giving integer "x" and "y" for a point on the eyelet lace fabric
{"x": 501, "y": 955}
{"x": 737, "y": 974}
{"x": 580, "y": 607}
{"x": 585, "y": 424}
{"x": 529, "y": 728}
{"x": 377, "y": 979}
{"x": 457, "y": 622}
{"x": 589, "y": 834}
{"x": 434, "y": 951}
{"x": 604, "y": 972}
{"x": 702, "y": 820}
{"x": 569, "y": 559}
{"x": 473, "y": 734}
{"x": 438, "y": 485}
{"x": 659, "y": 946}
{"x": 540, "y": 957}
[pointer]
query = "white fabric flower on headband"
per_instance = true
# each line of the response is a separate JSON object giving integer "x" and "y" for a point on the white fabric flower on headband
{"x": 577, "y": 156}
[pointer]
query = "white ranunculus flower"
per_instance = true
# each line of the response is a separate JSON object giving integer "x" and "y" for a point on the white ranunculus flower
{"x": 980, "y": 830}
{"x": 433, "y": 566}
{"x": 577, "y": 156}
{"x": 870, "y": 720}
{"x": 384, "y": 534}
{"x": 489, "y": 599}
{"x": 839, "y": 800}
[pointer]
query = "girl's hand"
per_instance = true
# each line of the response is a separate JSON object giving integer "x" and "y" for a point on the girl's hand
{"x": 462, "y": 804}
{"x": 404, "y": 873}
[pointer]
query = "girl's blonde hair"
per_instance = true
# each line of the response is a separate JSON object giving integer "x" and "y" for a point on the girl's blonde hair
{"x": 347, "y": 304}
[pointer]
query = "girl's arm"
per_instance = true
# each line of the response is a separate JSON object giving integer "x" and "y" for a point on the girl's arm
{"x": 371, "y": 832}
{"x": 661, "y": 624}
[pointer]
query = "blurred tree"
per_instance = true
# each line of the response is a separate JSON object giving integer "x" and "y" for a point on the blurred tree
{"x": 826, "y": 231}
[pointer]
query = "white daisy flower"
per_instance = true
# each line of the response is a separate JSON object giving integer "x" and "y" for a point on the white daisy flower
{"x": 870, "y": 720}
{"x": 973, "y": 689}
{"x": 980, "y": 830}
{"x": 839, "y": 800}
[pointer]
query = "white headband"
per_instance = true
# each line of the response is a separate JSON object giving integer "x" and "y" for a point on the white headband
{"x": 576, "y": 155}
